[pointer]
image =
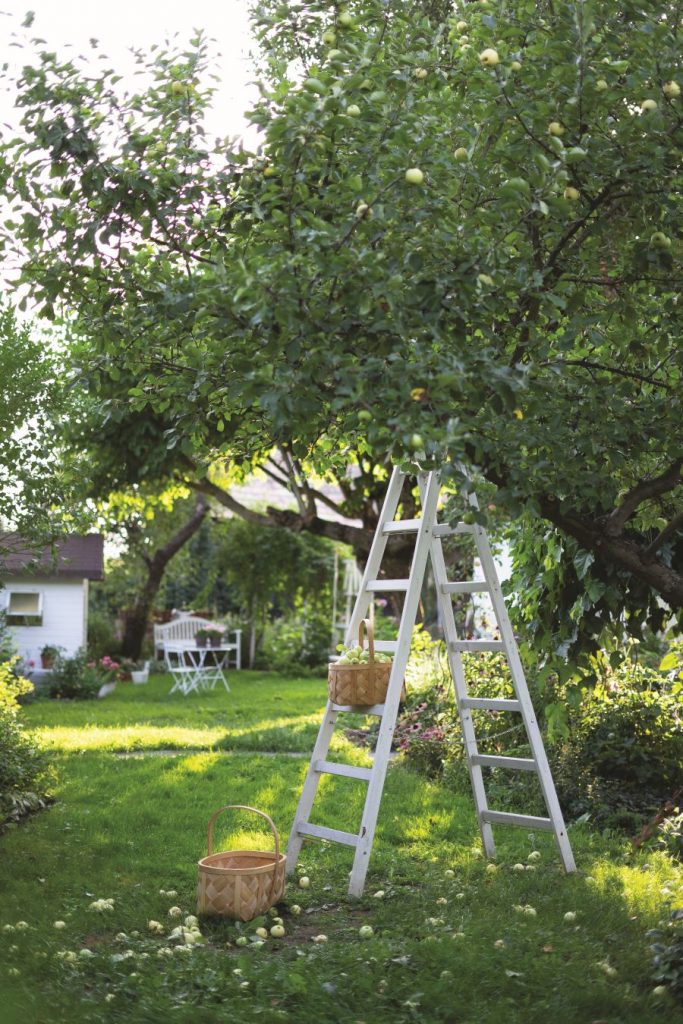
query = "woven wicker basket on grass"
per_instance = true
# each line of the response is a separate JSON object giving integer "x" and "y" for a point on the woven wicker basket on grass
{"x": 363, "y": 684}
{"x": 240, "y": 884}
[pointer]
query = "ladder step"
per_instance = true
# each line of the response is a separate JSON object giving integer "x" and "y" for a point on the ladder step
{"x": 477, "y": 645}
{"x": 525, "y": 820}
{"x": 402, "y": 526}
{"x": 450, "y": 531}
{"x": 522, "y": 764}
{"x": 361, "y": 709}
{"x": 465, "y": 587}
{"x": 386, "y": 646}
{"x": 380, "y": 585}
{"x": 348, "y": 771}
{"x": 490, "y": 704}
{"x": 304, "y": 828}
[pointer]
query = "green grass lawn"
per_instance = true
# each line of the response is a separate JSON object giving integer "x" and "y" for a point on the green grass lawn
{"x": 140, "y": 774}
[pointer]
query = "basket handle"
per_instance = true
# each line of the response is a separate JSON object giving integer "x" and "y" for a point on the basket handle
{"x": 244, "y": 807}
{"x": 371, "y": 638}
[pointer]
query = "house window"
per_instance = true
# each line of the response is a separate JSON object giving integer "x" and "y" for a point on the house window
{"x": 25, "y": 608}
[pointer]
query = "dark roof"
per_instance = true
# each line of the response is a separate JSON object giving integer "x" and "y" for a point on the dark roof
{"x": 72, "y": 557}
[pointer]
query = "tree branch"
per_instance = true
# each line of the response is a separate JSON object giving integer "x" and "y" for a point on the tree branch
{"x": 668, "y": 531}
{"x": 168, "y": 550}
{"x": 587, "y": 364}
{"x": 205, "y": 486}
{"x": 641, "y": 492}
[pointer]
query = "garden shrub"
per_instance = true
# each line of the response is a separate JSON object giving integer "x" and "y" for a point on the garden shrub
{"x": 428, "y": 731}
{"x": 668, "y": 955}
{"x": 624, "y": 754}
{"x": 289, "y": 645}
{"x": 81, "y": 678}
{"x": 620, "y": 760}
{"x": 25, "y": 775}
{"x": 668, "y": 836}
{"x": 102, "y": 638}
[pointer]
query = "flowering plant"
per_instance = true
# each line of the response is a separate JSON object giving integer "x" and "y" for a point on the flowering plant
{"x": 107, "y": 670}
{"x": 214, "y": 633}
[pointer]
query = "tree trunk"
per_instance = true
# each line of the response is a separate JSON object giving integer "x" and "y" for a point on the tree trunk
{"x": 137, "y": 617}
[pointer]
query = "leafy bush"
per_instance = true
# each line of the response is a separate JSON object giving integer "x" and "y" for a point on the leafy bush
{"x": 619, "y": 762}
{"x": 668, "y": 955}
{"x": 291, "y": 644}
{"x": 75, "y": 677}
{"x": 428, "y": 731}
{"x": 624, "y": 754}
{"x": 7, "y": 647}
{"x": 25, "y": 776}
{"x": 102, "y": 638}
{"x": 668, "y": 836}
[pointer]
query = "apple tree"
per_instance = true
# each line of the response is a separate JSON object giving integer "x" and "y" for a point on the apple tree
{"x": 459, "y": 242}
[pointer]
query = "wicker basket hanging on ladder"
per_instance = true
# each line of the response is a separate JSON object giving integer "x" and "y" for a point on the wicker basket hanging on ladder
{"x": 240, "y": 884}
{"x": 362, "y": 684}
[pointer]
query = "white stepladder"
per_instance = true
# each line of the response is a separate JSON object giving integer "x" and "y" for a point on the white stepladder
{"x": 428, "y": 544}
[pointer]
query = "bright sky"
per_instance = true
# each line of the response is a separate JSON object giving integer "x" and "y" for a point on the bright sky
{"x": 122, "y": 24}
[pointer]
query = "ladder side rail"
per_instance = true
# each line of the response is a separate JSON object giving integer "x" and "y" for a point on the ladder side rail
{"x": 432, "y": 488}
{"x": 445, "y": 604}
{"x": 310, "y": 786}
{"x": 327, "y": 726}
{"x": 372, "y": 566}
{"x": 522, "y": 693}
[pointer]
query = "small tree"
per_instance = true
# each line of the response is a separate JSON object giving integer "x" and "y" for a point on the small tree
{"x": 270, "y": 567}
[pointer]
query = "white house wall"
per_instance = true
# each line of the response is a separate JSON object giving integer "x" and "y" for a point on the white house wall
{"x": 64, "y": 616}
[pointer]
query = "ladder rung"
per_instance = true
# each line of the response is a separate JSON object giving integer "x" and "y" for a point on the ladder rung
{"x": 402, "y": 526}
{"x": 464, "y": 587}
{"x": 477, "y": 645}
{"x": 525, "y": 820}
{"x": 449, "y": 531}
{"x": 490, "y": 704}
{"x": 361, "y": 709}
{"x": 377, "y": 585}
{"x": 522, "y": 764}
{"x": 386, "y": 646}
{"x": 321, "y": 832}
{"x": 348, "y": 771}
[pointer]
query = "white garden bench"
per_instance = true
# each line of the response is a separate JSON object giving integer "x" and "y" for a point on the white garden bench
{"x": 183, "y": 630}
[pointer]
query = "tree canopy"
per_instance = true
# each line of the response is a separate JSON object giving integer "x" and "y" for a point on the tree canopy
{"x": 36, "y": 501}
{"x": 459, "y": 242}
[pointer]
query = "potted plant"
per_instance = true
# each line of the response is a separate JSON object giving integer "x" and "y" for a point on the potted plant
{"x": 48, "y": 655}
{"x": 140, "y": 673}
{"x": 215, "y": 636}
{"x": 201, "y": 637}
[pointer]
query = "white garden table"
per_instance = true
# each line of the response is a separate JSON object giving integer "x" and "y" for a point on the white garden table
{"x": 192, "y": 670}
